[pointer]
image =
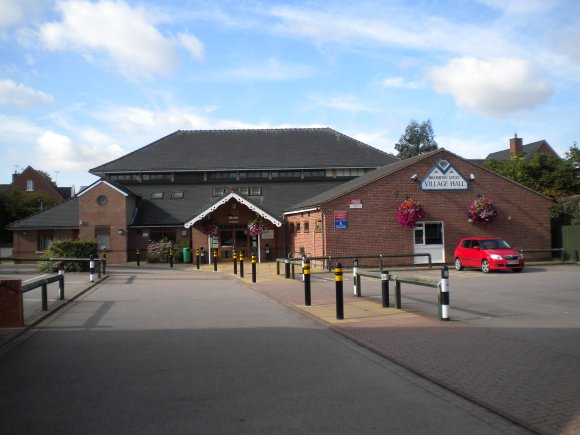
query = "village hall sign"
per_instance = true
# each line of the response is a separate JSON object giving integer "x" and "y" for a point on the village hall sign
{"x": 443, "y": 177}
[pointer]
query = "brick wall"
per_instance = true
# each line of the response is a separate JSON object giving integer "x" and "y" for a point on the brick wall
{"x": 115, "y": 214}
{"x": 523, "y": 218}
{"x": 39, "y": 184}
{"x": 11, "y": 306}
{"x": 26, "y": 242}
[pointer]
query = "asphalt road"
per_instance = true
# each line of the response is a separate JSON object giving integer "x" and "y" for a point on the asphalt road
{"x": 540, "y": 304}
{"x": 161, "y": 352}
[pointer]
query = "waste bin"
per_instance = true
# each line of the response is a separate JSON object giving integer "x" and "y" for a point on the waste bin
{"x": 187, "y": 255}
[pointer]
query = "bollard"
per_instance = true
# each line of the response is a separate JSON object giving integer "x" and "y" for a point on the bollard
{"x": 253, "y": 267}
{"x": 303, "y": 258}
{"x": 171, "y": 258}
{"x": 385, "y": 288}
{"x": 138, "y": 252}
{"x": 197, "y": 258}
{"x": 444, "y": 293}
{"x": 44, "y": 293}
{"x": 306, "y": 278}
{"x": 397, "y": 294}
{"x": 355, "y": 278}
{"x": 242, "y": 264}
{"x": 61, "y": 287}
{"x": 287, "y": 268}
{"x": 339, "y": 295}
{"x": 235, "y": 257}
{"x": 92, "y": 268}
{"x": 61, "y": 268}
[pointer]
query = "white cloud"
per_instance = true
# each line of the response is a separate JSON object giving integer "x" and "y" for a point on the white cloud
{"x": 400, "y": 83}
{"x": 493, "y": 87}
{"x": 346, "y": 103}
{"x": 112, "y": 32}
{"x": 520, "y": 6}
{"x": 191, "y": 44}
{"x": 13, "y": 12}
{"x": 57, "y": 152}
{"x": 271, "y": 70}
{"x": 15, "y": 94}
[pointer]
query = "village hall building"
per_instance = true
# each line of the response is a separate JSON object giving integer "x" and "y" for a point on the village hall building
{"x": 280, "y": 192}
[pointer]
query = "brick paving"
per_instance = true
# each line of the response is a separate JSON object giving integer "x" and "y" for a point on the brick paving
{"x": 527, "y": 383}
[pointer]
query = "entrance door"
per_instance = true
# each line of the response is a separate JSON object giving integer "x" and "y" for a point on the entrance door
{"x": 429, "y": 240}
{"x": 232, "y": 239}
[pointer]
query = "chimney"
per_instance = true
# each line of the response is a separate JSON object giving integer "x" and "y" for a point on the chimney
{"x": 14, "y": 176}
{"x": 516, "y": 146}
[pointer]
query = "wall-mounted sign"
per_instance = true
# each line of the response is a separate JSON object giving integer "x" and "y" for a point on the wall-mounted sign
{"x": 340, "y": 220}
{"x": 354, "y": 203}
{"x": 268, "y": 234}
{"x": 443, "y": 177}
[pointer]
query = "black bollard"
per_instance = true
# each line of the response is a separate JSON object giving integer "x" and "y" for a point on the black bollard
{"x": 235, "y": 256}
{"x": 215, "y": 260}
{"x": 385, "y": 288}
{"x": 306, "y": 275}
{"x": 287, "y": 268}
{"x": 171, "y": 258}
{"x": 197, "y": 258}
{"x": 339, "y": 293}
{"x": 242, "y": 264}
{"x": 92, "y": 268}
{"x": 138, "y": 252}
{"x": 253, "y": 267}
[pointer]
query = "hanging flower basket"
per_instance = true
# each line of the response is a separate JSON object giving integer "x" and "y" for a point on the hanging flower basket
{"x": 256, "y": 226}
{"x": 409, "y": 212}
{"x": 482, "y": 211}
{"x": 209, "y": 227}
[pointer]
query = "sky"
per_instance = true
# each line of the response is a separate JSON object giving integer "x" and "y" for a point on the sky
{"x": 83, "y": 82}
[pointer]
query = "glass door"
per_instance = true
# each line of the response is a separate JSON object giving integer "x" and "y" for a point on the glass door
{"x": 230, "y": 240}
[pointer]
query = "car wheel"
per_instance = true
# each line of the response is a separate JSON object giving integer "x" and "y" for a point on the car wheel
{"x": 485, "y": 266}
{"x": 458, "y": 264}
{"x": 518, "y": 270}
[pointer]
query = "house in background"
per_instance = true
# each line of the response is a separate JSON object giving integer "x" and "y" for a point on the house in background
{"x": 517, "y": 148}
{"x": 30, "y": 180}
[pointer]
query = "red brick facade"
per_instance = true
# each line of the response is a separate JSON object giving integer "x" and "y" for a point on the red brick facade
{"x": 31, "y": 181}
{"x": 523, "y": 218}
{"x": 108, "y": 218}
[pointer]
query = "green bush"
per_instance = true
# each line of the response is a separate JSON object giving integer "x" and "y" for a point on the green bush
{"x": 69, "y": 249}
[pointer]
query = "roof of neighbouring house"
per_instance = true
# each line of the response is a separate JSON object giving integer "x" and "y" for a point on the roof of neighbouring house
{"x": 61, "y": 216}
{"x": 222, "y": 150}
{"x": 528, "y": 150}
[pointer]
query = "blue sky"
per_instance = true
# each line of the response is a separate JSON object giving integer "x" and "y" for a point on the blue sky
{"x": 84, "y": 82}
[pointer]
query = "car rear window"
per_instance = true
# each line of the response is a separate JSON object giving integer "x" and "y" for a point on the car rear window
{"x": 495, "y": 244}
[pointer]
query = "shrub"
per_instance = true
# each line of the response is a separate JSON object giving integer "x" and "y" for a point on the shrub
{"x": 158, "y": 252}
{"x": 68, "y": 249}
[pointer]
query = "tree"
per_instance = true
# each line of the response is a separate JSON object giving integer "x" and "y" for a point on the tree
{"x": 543, "y": 173}
{"x": 46, "y": 176}
{"x": 417, "y": 139}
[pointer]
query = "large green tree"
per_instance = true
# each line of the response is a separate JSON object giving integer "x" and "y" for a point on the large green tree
{"x": 17, "y": 205}
{"x": 417, "y": 139}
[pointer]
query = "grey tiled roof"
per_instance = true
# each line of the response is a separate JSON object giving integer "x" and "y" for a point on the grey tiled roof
{"x": 275, "y": 198}
{"x": 60, "y": 216}
{"x": 528, "y": 151}
{"x": 356, "y": 183}
{"x": 215, "y": 150}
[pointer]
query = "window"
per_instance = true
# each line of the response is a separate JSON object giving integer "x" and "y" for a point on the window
{"x": 29, "y": 186}
{"x": 222, "y": 175}
{"x": 285, "y": 174}
{"x": 254, "y": 174}
{"x": 318, "y": 173}
{"x": 429, "y": 233}
{"x": 318, "y": 226}
{"x": 255, "y": 191}
{"x": 156, "y": 177}
{"x": 102, "y": 235}
{"x": 157, "y": 235}
{"x": 297, "y": 227}
{"x": 219, "y": 191}
{"x": 156, "y": 195}
{"x": 349, "y": 172}
{"x": 45, "y": 240}
{"x": 177, "y": 195}
{"x": 123, "y": 177}
{"x": 306, "y": 227}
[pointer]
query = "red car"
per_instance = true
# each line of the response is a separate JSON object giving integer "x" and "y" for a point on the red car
{"x": 487, "y": 254}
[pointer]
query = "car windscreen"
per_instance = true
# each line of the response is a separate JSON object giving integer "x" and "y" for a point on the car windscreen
{"x": 494, "y": 244}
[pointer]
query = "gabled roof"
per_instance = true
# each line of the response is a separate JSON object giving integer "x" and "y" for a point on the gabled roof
{"x": 222, "y": 150}
{"x": 349, "y": 186}
{"x": 275, "y": 198}
{"x": 214, "y": 205}
{"x": 61, "y": 216}
{"x": 528, "y": 150}
{"x": 115, "y": 186}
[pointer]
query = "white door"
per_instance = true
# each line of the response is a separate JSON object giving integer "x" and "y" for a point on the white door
{"x": 428, "y": 239}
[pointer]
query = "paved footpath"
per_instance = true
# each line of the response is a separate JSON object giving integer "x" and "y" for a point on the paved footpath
{"x": 154, "y": 351}
{"x": 530, "y": 384}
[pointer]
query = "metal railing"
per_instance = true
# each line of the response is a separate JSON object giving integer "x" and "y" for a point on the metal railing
{"x": 44, "y": 292}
